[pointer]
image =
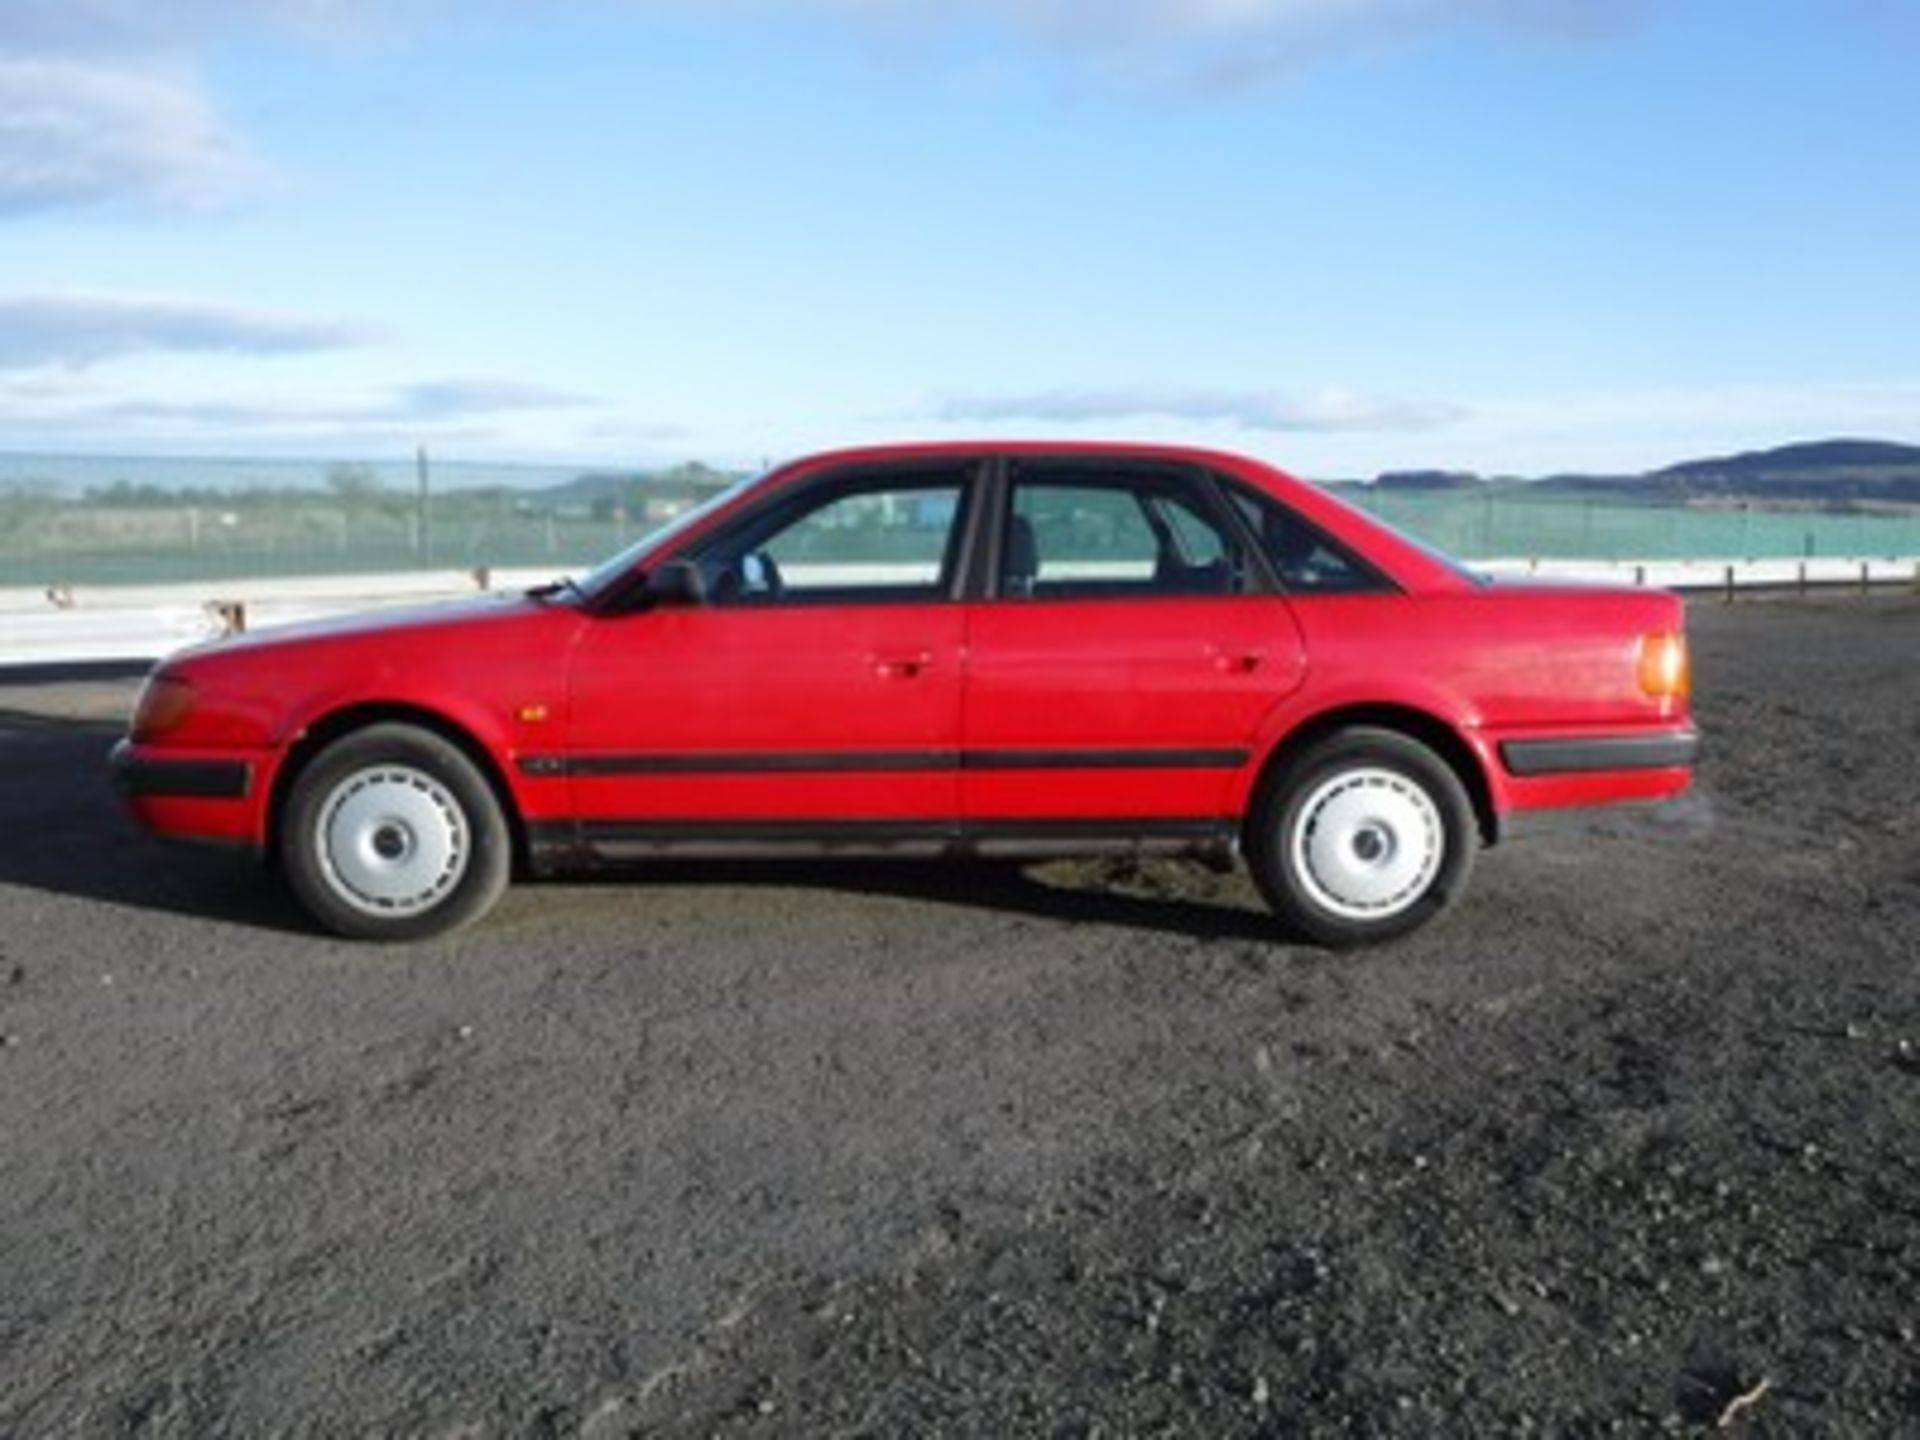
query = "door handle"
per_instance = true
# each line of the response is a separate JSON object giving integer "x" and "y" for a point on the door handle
{"x": 1238, "y": 662}
{"x": 902, "y": 667}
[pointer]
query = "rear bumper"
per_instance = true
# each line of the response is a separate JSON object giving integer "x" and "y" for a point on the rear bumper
{"x": 1550, "y": 770}
{"x": 1596, "y": 754}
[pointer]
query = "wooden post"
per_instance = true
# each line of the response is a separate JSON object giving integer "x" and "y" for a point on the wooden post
{"x": 422, "y": 538}
{"x": 1803, "y": 577}
{"x": 1729, "y": 584}
{"x": 1866, "y": 586}
{"x": 1640, "y": 575}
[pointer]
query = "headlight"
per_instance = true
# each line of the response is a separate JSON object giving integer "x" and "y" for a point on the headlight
{"x": 163, "y": 704}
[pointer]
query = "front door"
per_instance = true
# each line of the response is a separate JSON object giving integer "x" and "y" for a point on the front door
{"x": 814, "y": 696}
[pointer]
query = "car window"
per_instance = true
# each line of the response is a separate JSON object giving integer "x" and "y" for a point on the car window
{"x": 876, "y": 539}
{"x": 1305, "y": 558}
{"x": 1200, "y": 543}
{"x": 1074, "y": 534}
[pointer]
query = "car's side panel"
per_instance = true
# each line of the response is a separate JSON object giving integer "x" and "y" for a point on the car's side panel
{"x": 1126, "y": 707}
{"x": 492, "y": 675}
{"x": 1494, "y": 665}
{"x": 770, "y": 712}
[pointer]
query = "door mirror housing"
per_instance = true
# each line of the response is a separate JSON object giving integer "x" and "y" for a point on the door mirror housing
{"x": 676, "y": 582}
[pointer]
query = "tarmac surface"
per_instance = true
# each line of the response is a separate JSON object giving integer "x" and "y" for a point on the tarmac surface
{"x": 1630, "y": 1142}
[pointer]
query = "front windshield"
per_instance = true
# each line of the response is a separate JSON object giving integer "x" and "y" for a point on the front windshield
{"x": 610, "y": 570}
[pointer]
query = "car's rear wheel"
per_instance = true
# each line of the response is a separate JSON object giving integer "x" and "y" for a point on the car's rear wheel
{"x": 392, "y": 833}
{"x": 1363, "y": 836}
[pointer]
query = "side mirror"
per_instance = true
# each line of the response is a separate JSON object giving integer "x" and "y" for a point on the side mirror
{"x": 676, "y": 582}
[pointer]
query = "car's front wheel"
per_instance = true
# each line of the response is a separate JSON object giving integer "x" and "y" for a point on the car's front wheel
{"x": 392, "y": 833}
{"x": 1365, "y": 835}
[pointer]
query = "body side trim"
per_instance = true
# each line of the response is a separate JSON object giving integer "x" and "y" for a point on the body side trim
{"x": 193, "y": 779}
{"x": 842, "y": 761}
{"x": 1589, "y": 754}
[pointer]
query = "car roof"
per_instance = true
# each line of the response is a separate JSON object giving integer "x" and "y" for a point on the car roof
{"x": 890, "y": 451}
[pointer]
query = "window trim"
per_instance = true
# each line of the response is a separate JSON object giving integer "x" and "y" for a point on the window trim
{"x": 806, "y": 496}
{"x": 1196, "y": 483}
{"x": 1228, "y": 486}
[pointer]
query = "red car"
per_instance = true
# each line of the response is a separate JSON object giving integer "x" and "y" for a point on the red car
{"x": 990, "y": 649}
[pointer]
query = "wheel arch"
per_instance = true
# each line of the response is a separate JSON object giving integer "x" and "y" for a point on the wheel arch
{"x": 1416, "y": 724}
{"x": 345, "y": 720}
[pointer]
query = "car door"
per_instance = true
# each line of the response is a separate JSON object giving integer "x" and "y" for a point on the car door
{"x": 1125, "y": 652}
{"x": 812, "y": 696}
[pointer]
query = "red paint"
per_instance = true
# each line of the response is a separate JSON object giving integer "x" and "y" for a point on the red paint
{"x": 1245, "y": 673}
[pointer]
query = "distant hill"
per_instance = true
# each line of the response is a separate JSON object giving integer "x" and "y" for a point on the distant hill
{"x": 1825, "y": 471}
{"x": 689, "y": 483}
{"x": 1821, "y": 470}
{"x": 1427, "y": 480}
{"x": 1814, "y": 457}
{"x": 587, "y": 488}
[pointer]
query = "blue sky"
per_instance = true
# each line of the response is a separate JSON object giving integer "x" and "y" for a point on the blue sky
{"x": 1516, "y": 236}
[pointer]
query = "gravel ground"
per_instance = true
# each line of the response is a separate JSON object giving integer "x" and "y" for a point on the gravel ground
{"x": 1629, "y": 1143}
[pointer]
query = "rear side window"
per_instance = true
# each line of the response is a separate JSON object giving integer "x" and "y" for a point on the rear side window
{"x": 1078, "y": 532}
{"x": 1305, "y": 559}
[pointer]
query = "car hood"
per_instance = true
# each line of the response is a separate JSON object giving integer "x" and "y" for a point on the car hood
{"x": 395, "y": 623}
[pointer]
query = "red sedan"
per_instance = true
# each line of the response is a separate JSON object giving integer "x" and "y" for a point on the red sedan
{"x": 989, "y": 649}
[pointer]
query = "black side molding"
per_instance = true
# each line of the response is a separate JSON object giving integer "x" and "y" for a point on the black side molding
{"x": 851, "y": 761}
{"x": 190, "y": 779}
{"x": 1585, "y": 756}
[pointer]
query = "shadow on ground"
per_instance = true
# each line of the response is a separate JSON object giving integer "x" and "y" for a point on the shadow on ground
{"x": 65, "y": 832}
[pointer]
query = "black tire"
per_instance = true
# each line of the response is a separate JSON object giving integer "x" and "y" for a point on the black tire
{"x": 392, "y": 833}
{"x": 1363, "y": 836}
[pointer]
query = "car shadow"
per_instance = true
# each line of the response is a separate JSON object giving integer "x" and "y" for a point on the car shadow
{"x": 63, "y": 830}
{"x": 1169, "y": 896}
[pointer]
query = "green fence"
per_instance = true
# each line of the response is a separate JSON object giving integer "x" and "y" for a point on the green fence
{"x": 82, "y": 545}
{"x": 1502, "y": 525}
{"x": 46, "y": 540}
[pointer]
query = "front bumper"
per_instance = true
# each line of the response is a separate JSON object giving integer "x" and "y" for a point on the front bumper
{"x": 165, "y": 777}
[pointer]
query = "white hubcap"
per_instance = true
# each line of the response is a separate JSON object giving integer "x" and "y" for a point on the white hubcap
{"x": 1368, "y": 843}
{"x": 392, "y": 840}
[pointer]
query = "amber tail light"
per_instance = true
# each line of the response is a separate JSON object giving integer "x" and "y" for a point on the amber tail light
{"x": 164, "y": 702}
{"x": 1666, "y": 670}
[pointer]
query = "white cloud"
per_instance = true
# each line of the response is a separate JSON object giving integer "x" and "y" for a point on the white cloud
{"x": 158, "y": 26}
{"x": 80, "y": 134}
{"x": 1209, "y": 41}
{"x": 1205, "y": 44}
{"x": 1324, "y": 411}
{"x": 77, "y": 330}
{"x": 62, "y": 410}
{"x": 440, "y": 398}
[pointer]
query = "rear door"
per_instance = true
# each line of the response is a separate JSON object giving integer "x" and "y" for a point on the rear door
{"x": 1126, "y": 651}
